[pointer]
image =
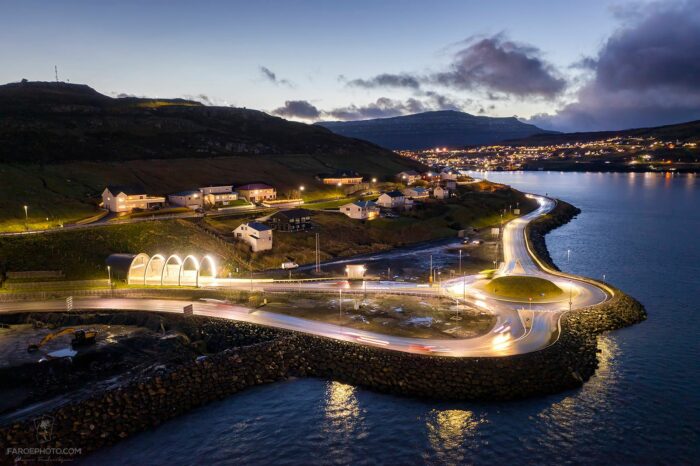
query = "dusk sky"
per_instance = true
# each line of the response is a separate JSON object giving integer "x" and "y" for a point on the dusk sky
{"x": 567, "y": 65}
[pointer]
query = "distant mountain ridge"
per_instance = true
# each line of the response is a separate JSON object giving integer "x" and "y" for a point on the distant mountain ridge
{"x": 448, "y": 128}
{"x": 49, "y": 122}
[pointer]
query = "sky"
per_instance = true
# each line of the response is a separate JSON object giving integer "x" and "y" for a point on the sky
{"x": 567, "y": 65}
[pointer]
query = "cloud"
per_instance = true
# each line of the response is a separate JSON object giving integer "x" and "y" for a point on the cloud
{"x": 500, "y": 65}
{"x": 403, "y": 80}
{"x": 383, "y": 107}
{"x": 491, "y": 64}
{"x": 272, "y": 77}
{"x": 298, "y": 109}
{"x": 645, "y": 74}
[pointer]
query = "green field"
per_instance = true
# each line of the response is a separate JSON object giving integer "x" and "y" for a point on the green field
{"x": 523, "y": 288}
{"x": 67, "y": 192}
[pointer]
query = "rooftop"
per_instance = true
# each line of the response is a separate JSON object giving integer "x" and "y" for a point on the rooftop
{"x": 394, "y": 194}
{"x": 258, "y": 226}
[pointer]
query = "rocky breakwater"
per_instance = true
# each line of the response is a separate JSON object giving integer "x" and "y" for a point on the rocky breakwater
{"x": 562, "y": 214}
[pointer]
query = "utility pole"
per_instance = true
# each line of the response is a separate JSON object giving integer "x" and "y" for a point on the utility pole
{"x": 318, "y": 259}
{"x": 460, "y": 262}
{"x": 430, "y": 276}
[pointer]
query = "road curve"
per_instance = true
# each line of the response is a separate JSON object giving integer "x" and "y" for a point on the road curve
{"x": 519, "y": 328}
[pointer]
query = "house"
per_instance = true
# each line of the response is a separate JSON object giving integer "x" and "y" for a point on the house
{"x": 360, "y": 210}
{"x": 450, "y": 184}
{"x": 124, "y": 199}
{"x": 417, "y": 192}
{"x": 392, "y": 200}
{"x": 342, "y": 177}
{"x": 441, "y": 193}
{"x": 220, "y": 195}
{"x": 408, "y": 177}
{"x": 257, "y": 192}
{"x": 191, "y": 199}
{"x": 449, "y": 175}
{"x": 291, "y": 220}
{"x": 256, "y": 234}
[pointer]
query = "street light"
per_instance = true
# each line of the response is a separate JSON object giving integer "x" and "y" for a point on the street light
{"x": 374, "y": 180}
{"x": 109, "y": 275}
{"x": 460, "y": 262}
{"x": 26, "y": 217}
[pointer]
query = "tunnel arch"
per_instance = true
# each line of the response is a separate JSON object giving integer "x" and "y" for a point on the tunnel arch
{"x": 189, "y": 277}
{"x": 207, "y": 265}
{"x": 170, "y": 274}
{"x": 154, "y": 270}
{"x": 137, "y": 269}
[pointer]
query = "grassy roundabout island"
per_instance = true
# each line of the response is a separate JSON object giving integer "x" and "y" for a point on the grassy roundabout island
{"x": 523, "y": 288}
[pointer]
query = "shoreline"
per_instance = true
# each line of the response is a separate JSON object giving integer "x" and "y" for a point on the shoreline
{"x": 267, "y": 355}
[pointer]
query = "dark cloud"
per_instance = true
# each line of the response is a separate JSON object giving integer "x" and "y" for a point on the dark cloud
{"x": 387, "y": 80}
{"x": 500, "y": 65}
{"x": 298, "y": 109}
{"x": 646, "y": 74}
{"x": 492, "y": 64}
{"x": 272, "y": 77}
{"x": 383, "y": 107}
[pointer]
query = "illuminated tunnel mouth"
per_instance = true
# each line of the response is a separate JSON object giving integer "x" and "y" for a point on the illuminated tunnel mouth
{"x": 171, "y": 271}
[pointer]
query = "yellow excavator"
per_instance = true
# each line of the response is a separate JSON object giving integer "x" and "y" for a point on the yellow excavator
{"x": 80, "y": 338}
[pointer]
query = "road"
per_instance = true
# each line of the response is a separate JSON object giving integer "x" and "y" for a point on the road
{"x": 520, "y": 328}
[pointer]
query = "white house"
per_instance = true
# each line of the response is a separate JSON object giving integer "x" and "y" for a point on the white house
{"x": 408, "y": 177}
{"x": 123, "y": 199}
{"x": 360, "y": 210}
{"x": 191, "y": 199}
{"x": 218, "y": 195}
{"x": 393, "y": 200}
{"x": 256, "y": 234}
{"x": 417, "y": 192}
{"x": 441, "y": 193}
{"x": 257, "y": 192}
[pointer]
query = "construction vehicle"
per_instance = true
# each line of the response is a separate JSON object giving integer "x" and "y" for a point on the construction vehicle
{"x": 80, "y": 338}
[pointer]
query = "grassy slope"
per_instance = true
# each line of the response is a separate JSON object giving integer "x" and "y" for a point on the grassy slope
{"x": 341, "y": 236}
{"x": 82, "y": 254}
{"x": 70, "y": 191}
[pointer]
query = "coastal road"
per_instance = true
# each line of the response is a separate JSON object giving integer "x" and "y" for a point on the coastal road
{"x": 520, "y": 328}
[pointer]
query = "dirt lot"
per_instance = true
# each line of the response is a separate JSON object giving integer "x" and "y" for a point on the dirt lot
{"x": 404, "y": 316}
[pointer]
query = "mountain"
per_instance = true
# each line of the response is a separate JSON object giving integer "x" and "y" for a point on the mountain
{"x": 447, "y": 128}
{"x": 50, "y": 122}
{"x": 682, "y": 132}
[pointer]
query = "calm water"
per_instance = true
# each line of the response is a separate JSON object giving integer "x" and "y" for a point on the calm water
{"x": 643, "y": 406}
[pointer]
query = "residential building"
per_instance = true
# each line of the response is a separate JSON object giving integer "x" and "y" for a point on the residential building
{"x": 191, "y": 199}
{"x": 441, "y": 193}
{"x": 342, "y": 177}
{"x": 360, "y": 210}
{"x": 256, "y": 234}
{"x": 449, "y": 175}
{"x": 257, "y": 192}
{"x": 221, "y": 195}
{"x": 124, "y": 199}
{"x": 408, "y": 177}
{"x": 416, "y": 192}
{"x": 450, "y": 184}
{"x": 291, "y": 220}
{"x": 392, "y": 200}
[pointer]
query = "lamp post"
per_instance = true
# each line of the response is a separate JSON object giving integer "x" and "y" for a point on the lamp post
{"x": 109, "y": 276}
{"x": 568, "y": 256}
{"x": 26, "y": 217}
{"x": 301, "y": 190}
{"x": 340, "y": 303}
{"x": 460, "y": 261}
